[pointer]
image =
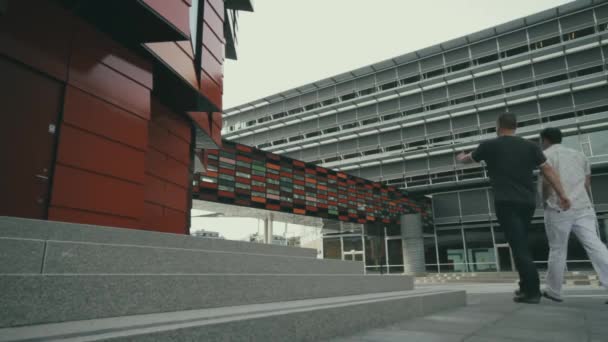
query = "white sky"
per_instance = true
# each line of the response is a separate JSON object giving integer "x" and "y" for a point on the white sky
{"x": 288, "y": 43}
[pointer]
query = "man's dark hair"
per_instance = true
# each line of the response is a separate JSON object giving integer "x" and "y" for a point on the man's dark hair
{"x": 507, "y": 121}
{"x": 552, "y": 134}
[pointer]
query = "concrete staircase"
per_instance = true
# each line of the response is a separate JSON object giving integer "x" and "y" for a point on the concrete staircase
{"x": 80, "y": 282}
{"x": 570, "y": 278}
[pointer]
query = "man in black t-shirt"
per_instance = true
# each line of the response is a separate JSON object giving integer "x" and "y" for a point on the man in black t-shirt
{"x": 511, "y": 162}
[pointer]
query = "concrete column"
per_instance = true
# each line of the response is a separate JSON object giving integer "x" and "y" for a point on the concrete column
{"x": 413, "y": 244}
{"x": 268, "y": 230}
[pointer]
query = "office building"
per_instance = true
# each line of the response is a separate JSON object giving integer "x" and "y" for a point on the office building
{"x": 402, "y": 121}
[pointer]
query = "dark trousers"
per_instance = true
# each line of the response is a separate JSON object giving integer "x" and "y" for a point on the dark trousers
{"x": 515, "y": 219}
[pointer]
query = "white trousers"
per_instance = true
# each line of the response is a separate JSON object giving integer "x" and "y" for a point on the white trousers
{"x": 558, "y": 225}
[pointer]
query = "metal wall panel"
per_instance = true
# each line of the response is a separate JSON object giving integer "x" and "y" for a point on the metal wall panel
{"x": 310, "y": 125}
{"x": 368, "y": 141}
{"x": 347, "y": 116}
{"x": 365, "y": 82}
{"x": 370, "y": 173}
{"x": 488, "y": 82}
{"x": 327, "y": 93}
{"x": 590, "y": 97}
{"x": 308, "y": 98}
{"x": 292, "y": 103}
{"x": 584, "y": 59}
{"x": 464, "y": 121}
{"x": 393, "y": 169}
{"x": 347, "y": 145}
{"x": 457, "y": 56}
{"x": 435, "y": 95}
{"x": 390, "y": 138}
{"x": 411, "y": 101}
{"x": 328, "y": 121}
{"x": 601, "y": 13}
{"x": 367, "y": 111}
{"x": 461, "y": 89}
{"x": 412, "y": 133}
{"x": 576, "y": 21}
{"x": 484, "y": 48}
{"x": 388, "y": 106}
{"x": 518, "y": 75}
{"x": 550, "y": 67}
{"x": 345, "y": 87}
{"x": 490, "y": 116}
{"x": 408, "y": 70}
{"x": 543, "y": 31}
{"x": 438, "y": 126}
{"x": 561, "y": 103}
{"x": 523, "y": 109}
{"x": 328, "y": 149}
{"x": 387, "y": 75}
{"x": 416, "y": 164}
{"x": 441, "y": 161}
{"x": 432, "y": 63}
{"x": 513, "y": 39}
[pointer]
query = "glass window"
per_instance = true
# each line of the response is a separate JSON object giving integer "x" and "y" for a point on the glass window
{"x": 353, "y": 243}
{"x": 332, "y": 248}
{"x": 480, "y": 249}
{"x": 451, "y": 250}
{"x": 395, "y": 252}
{"x": 430, "y": 255}
{"x": 599, "y": 143}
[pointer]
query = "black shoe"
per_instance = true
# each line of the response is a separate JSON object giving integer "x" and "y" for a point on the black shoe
{"x": 527, "y": 299}
{"x": 555, "y": 299}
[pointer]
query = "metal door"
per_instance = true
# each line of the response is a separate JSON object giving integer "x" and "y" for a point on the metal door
{"x": 30, "y": 103}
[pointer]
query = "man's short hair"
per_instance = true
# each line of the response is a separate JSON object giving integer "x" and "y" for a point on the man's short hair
{"x": 552, "y": 134}
{"x": 507, "y": 121}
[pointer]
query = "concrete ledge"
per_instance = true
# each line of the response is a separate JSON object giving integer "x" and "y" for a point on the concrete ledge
{"x": 305, "y": 320}
{"x": 21, "y": 256}
{"x": 14, "y": 227}
{"x": 36, "y": 299}
{"x": 87, "y": 258}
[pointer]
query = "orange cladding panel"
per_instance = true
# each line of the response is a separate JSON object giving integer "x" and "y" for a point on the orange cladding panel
{"x": 79, "y": 189}
{"x": 87, "y": 217}
{"x": 94, "y": 115}
{"x": 97, "y": 154}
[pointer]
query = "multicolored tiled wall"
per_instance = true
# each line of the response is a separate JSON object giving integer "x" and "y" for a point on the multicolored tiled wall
{"x": 242, "y": 175}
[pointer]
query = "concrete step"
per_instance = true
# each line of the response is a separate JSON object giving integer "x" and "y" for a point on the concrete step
{"x": 29, "y": 256}
{"x": 37, "y": 299}
{"x": 304, "y": 320}
{"x": 12, "y": 227}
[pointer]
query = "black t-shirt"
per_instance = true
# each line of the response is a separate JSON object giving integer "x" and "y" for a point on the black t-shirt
{"x": 511, "y": 162}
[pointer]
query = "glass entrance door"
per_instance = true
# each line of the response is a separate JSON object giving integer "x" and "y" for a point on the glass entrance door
{"x": 353, "y": 256}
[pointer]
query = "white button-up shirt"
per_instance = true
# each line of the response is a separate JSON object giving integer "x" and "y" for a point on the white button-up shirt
{"x": 572, "y": 167}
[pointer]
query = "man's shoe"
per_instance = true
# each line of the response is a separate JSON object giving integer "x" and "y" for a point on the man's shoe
{"x": 553, "y": 298}
{"x": 527, "y": 299}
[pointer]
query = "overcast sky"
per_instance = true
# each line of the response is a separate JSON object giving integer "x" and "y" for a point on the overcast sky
{"x": 289, "y": 43}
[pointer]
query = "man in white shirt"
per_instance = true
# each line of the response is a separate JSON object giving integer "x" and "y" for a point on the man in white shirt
{"x": 575, "y": 174}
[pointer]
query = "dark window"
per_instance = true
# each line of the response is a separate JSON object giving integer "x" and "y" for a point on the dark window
{"x": 410, "y": 80}
{"x": 414, "y": 111}
{"x": 545, "y": 43}
{"x": 367, "y": 91}
{"x": 580, "y": 33}
{"x": 331, "y": 130}
{"x": 250, "y": 123}
{"x": 295, "y": 111}
{"x": 460, "y": 66}
{"x": 312, "y": 106}
{"x": 351, "y": 155}
{"x": 389, "y": 85}
{"x": 391, "y": 116}
{"x": 296, "y": 138}
{"x": 370, "y": 121}
{"x": 434, "y": 73}
{"x": 486, "y": 59}
{"x": 528, "y": 123}
{"x": 463, "y": 99}
{"x": 490, "y": 94}
{"x": 552, "y": 79}
{"x": 593, "y": 110}
{"x": 348, "y": 97}
{"x": 587, "y": 71}
{"x": 417, "y": 144}
{"x": 313, "y": 134}
{"x": 280, "y": 141}
{"x": 329, "y": 102}
{"x": 264, "y": 145}
{"x": 264, "y": 119}
{"x": 562, "y": 116}
{"x": 602, "y": 27}
{"x": 332, "y": 159}
{"x": 515, "y": 51}
{"x": 279, "y": 115}
{"x": 350, "y": 125}
{"x": 374, "y": 151}
{"x": 394, "y": 148}
{"x": 520, "y": 87}
{"x": 437, "y": 105}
